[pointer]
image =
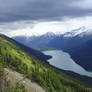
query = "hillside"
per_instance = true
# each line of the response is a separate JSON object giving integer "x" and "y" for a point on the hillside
{"x": 38, "y": 54}
{"x": 36, "y": 70}
{"x": 85, "y": 50}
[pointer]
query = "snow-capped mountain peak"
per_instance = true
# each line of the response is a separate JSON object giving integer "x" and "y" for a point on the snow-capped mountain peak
{"x": 49, "y": 34}
{"x": 81, "y": 31}
{"x": 72, "y": 33}
{"x": 68, "y": 33}
{"x": 76, "y": 32}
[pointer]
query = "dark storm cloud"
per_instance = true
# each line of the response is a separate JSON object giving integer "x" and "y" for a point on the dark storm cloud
{"x": 13, "y": 10}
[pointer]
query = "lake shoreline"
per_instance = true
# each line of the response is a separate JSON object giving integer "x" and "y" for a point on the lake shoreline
{"x": 62, "y": 60}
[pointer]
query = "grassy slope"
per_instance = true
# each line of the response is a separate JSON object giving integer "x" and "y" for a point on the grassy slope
{"x": 49, "y": 78}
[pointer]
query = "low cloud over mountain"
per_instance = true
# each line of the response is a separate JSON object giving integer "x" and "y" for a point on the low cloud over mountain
{"x": 30, "y": 28}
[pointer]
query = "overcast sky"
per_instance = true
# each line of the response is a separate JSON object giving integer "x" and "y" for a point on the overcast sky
{"x": 34, "y": 12}
{"x": 13, "y": 10}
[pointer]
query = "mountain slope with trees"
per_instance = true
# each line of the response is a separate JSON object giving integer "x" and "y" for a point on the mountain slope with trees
{"x": 36, "y": 70}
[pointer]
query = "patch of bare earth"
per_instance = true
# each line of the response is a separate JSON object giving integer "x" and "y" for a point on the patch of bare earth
{"x": 13, "y": 77}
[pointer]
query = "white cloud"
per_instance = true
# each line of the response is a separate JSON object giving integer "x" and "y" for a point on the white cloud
{"x": 28, "y": 28}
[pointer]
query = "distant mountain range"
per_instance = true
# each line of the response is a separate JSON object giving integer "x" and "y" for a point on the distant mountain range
{"x": 76, "y": 43}
{"x": 55, "y": 40}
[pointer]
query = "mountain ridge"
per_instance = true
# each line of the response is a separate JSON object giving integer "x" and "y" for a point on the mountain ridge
{"x": 59, "y": 40}
{"x": 73, "y": 32}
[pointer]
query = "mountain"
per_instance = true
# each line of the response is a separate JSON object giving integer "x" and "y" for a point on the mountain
{"x": 51, "y": 40}
{"x": 82, "y": 55}
{"x": 14, "y": 59}
{"x": 36, "y": 41}
{"x": 68, "y": 42}
{"x": 30, "y": 50}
